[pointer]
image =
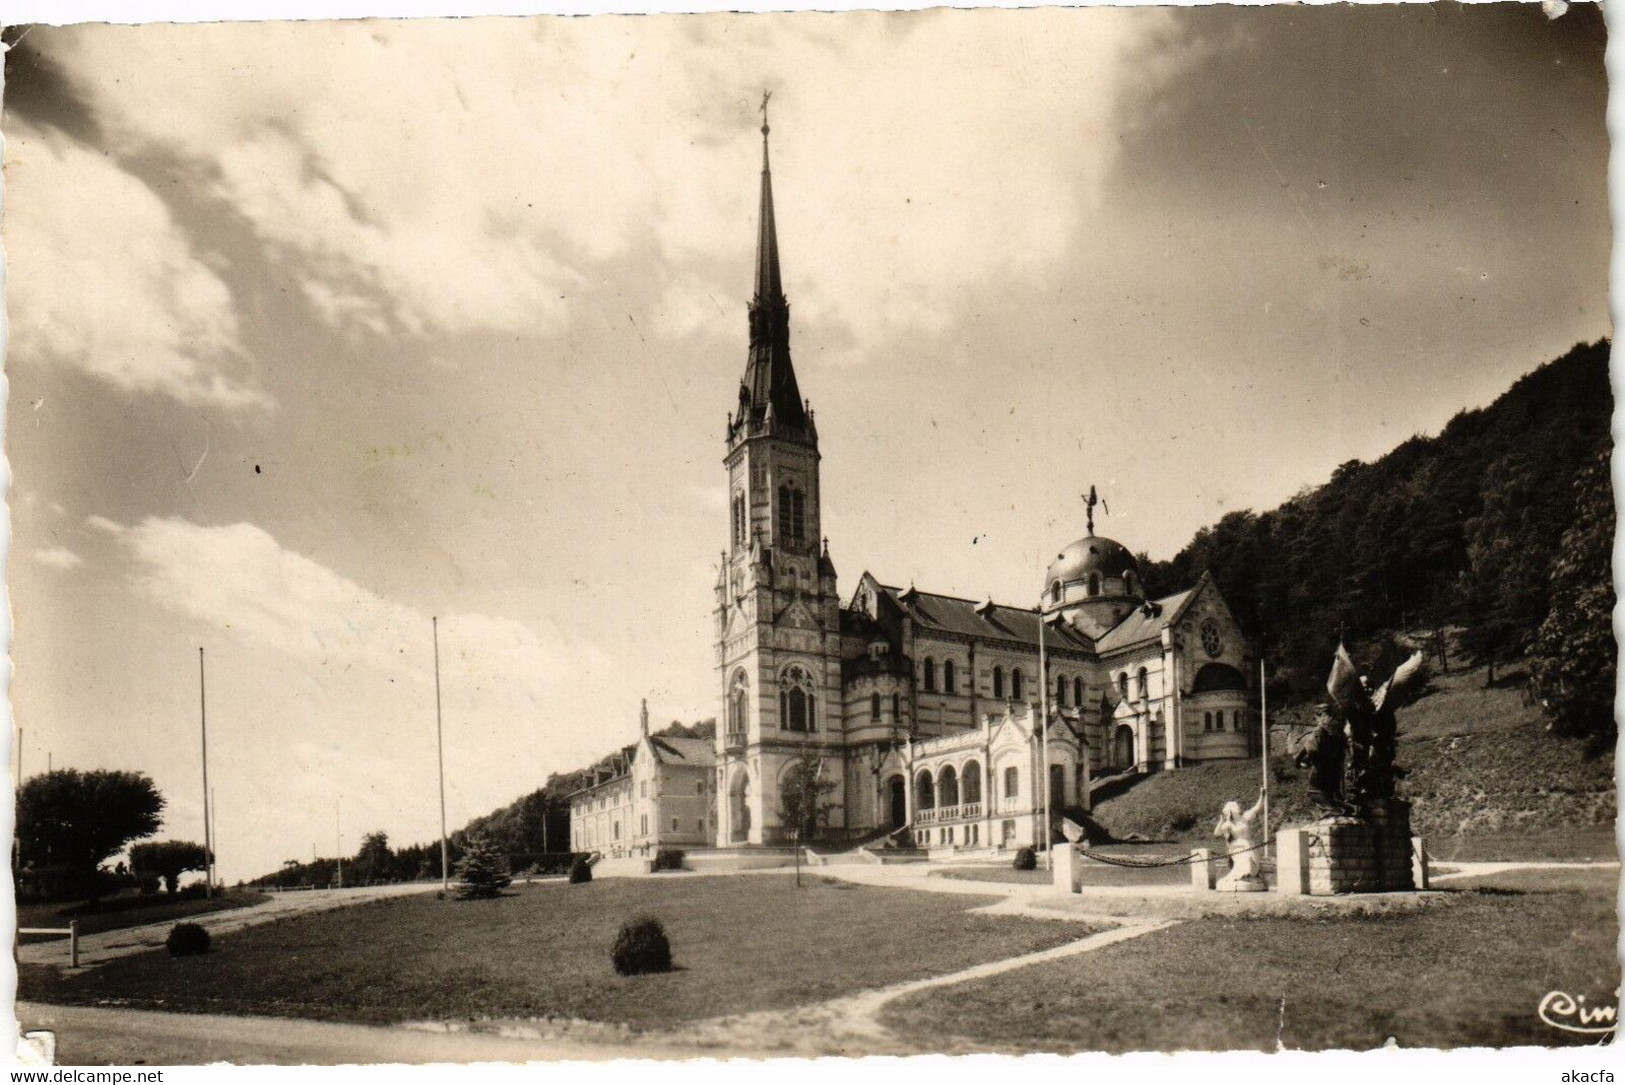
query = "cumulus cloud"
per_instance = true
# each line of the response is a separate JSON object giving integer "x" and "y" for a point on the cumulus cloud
{"x": 524, "y": 683}
{"x": 101, "y": 280}
{"x": 58, "y": 557}
{"x": 397, "y": 159}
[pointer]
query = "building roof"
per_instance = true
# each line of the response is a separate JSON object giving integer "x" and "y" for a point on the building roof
{"x": 986, "y": 621}
{"x": 1146, "y": 622}
{"x": 671, "y": 750}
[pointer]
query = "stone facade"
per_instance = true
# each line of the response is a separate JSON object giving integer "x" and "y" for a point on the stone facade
{"x": 656, "y": 793}
{"x": 1334, "y": 855}
{"x": 893, "y": 682}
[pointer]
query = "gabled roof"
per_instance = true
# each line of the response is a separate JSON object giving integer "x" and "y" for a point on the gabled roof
{"x": 1146, "y": 623}
{"x": 951, "y": 614}
{"x": 671, "y": 750}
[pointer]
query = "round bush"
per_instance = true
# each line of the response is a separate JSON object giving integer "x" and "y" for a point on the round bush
{"x": 187, "y": 939}
{"x": 580, "y": 871}
{"x": 641, "y": 947}
{"x": 1025, "y": 859}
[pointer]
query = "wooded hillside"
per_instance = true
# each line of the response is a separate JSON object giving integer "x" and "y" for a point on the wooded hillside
{"x": 1502, "y": 525}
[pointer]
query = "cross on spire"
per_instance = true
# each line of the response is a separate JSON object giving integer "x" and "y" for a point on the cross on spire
{"x": 1090, "y": 500}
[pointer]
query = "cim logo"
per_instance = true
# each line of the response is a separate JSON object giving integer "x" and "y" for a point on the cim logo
{"x": 1570, "y": 1013}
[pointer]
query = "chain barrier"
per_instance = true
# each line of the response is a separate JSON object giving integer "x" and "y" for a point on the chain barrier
{"x": 1147, "y": 864}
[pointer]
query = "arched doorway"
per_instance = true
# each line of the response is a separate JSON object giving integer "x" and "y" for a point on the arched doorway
{"x": 739, "y": 808}
{"x": 1123, "y": 747}
{"x": 897, "y": 801}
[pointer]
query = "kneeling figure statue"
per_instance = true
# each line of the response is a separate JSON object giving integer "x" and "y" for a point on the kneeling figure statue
{"x": 1236, "y": 828}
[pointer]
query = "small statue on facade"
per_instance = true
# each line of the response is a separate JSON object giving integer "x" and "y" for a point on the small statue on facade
{"x": 1235, "y": 827}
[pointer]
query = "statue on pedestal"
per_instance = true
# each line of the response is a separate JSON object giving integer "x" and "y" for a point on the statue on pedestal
{"x": 1236, "y": 829}
{"x": 1324, "y": 753}
{"x": 1369, "y": 719}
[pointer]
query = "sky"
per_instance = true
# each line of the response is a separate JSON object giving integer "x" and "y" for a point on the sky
{"x": 320, "y": 330}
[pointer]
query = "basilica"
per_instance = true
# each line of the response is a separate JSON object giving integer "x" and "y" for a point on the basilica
{"x": 925, "y": 710}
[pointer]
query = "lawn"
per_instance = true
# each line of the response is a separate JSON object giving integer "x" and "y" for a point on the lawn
{"x": 739, "y": 943}
{"x": 1093, "y": 873}
{"x": 1468, "y": 974}
{"x": 119, "y": 913}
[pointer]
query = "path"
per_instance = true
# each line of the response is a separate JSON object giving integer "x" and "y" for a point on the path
{"x": 1482, "y": 869}
{"x": 97, "y": 1036}
{"x": 105, "y": 946}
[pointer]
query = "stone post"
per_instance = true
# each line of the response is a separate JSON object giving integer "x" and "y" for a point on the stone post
{"x": 1068, "y": 872}
{"x": 1291, "y": 863}
{"x": 1419, "y": 863}
{"x": 1203, "y": 874}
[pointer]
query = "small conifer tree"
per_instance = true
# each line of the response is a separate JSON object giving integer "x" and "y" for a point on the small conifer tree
{"x": 483, "y": 869}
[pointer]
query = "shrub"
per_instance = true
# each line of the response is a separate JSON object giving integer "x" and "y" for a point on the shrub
{"x": 148, "y": 884}
{"x": 641, "y": 947}
{"x": 669, "y": 859}
{"x": 1025, "y": 859}
{"x": 580, "y": 871}
{"x": 187, "y": 939}
{"x": 483, "y": 869}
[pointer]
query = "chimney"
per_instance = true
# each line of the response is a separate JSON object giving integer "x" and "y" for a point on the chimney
{"x": 644, "y": 715}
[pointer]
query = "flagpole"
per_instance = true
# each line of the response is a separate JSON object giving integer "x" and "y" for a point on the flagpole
{"x": 1264, "y": 761}
{"x": 1043, "y": 715}
{"x": 440, "y": 753}
{"x": 203, "y": 726}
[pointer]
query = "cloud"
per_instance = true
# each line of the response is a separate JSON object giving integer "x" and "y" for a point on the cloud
{"x": 519, "y": 682}
{"x": 427, "y": 195}
{"x": 101, "y": 280}
{"x": 58, "y": 557}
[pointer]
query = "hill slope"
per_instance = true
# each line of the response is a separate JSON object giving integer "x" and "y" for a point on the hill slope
{"x": 1487, "y": 780}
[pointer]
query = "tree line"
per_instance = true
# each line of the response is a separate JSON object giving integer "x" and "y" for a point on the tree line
{"x": 533, "y": 832}
{"x": 1498, "y": 530}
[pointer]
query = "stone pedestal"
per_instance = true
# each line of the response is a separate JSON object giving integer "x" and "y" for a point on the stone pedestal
{"x": 1419, "y": 862}
{"x": 1370, "y": 854}
{"x": 1203, "y": 873}
{"x": 1292, "y": 862}
{"x": 1068, "y": 872}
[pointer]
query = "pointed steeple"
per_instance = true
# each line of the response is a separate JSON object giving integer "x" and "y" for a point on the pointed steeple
{"x": 769, "y": 390}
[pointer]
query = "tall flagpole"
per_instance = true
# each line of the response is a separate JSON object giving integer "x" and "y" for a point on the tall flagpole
{"x": 440, "y": 753}
{"x": 1043, "y": 715}
{"x": 203, "y": 725}
{"x": 1264, "y": 760}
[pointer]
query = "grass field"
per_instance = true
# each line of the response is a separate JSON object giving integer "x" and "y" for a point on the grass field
{"x": 1471, "y": 973}
{"x": 1093, "y": 874}
{"x": 739, "y": 944}
{"x": 124, "y": 912}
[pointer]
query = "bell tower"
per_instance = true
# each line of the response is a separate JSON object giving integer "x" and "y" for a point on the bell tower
{"x": 778, "y": 614}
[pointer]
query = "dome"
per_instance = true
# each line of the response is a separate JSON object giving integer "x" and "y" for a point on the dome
{"x": 1091, "y": 554}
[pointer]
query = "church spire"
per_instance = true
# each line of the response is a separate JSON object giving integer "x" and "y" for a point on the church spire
{"x": 769, "y": 392}
{"x": 768, "y": 283}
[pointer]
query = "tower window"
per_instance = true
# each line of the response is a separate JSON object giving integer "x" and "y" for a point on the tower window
{"x": 1122, "y": 685}
{"x": 1060, "y": 690}
{"x": 874, "y": 706}
{"x": 1055, "y": 591}
{"x": 792, "y": 513}
{"x": 930, "y": 676}
{"x": 896, "y": 707}
{"x": 1094, "y": 583}
{"x": 1077, "y": 692}
{"x": 1015, "y": 684}
{"x": 948, "y": 684}
{"x": 739, "y": 519}
{"x": 998, "y": 683}
{"x": 797, "y": 705}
